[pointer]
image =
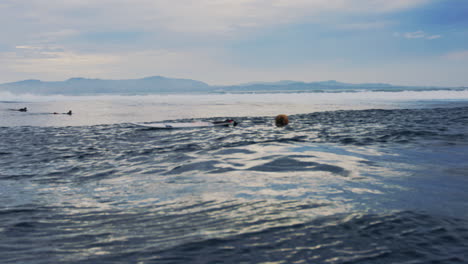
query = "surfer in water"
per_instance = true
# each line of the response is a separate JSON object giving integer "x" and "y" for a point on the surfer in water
{"x": 68, "y": 113}
{"x": 24, "y": 109}
{"x": 227, "y": 121}
{"x": 281, "y": 120}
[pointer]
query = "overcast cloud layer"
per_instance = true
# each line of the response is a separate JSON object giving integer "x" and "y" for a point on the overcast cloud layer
{"x": 418, "y": 42}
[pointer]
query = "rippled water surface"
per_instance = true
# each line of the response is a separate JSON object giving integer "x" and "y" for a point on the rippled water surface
{"x": 341, "y": 186}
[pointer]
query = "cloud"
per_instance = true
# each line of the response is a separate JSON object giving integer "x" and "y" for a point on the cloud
{"x": 417, "y": 35}
{"x": 366, "y": 25}
{"x": 433, "y": 37}
{"x": 166, "y": 23}
{"x": 53, "y": 61}
{"x": 201, "y": 16}
{"x": 457, "y": 55}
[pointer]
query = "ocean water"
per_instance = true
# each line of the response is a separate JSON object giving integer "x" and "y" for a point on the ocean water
{"x": 354, "y": 178}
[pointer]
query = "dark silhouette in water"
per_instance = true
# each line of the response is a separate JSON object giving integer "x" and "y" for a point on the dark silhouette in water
{"x": 67, "y": 113}
{"x": 281, "y": 120}
{"x": 24, "y": 109}
{"x": 227, "y": 121}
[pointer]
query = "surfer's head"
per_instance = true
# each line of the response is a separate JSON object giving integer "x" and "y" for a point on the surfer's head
{"x": 231, "y": 121}
{"x": 281, "y": 120}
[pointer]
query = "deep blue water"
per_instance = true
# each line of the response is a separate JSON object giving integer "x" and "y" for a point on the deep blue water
{"x": 347, "y": 186}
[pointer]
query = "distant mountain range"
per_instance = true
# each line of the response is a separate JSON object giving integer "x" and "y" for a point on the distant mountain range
{"x": 159, "y": 84}
{"x": 83, "y": 86}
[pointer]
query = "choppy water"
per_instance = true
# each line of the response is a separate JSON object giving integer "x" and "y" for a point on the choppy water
{"x": 344, "y": 186}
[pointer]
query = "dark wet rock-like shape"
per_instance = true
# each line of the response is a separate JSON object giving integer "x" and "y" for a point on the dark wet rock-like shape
{"x": 288, "y": 164}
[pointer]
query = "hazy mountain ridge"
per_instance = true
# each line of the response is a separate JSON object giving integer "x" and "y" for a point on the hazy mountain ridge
{"x": 159, "y": 84}
{"x": 79, "y": 86}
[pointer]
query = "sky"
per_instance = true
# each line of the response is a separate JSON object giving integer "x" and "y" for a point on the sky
{"x": 406, "y": 42}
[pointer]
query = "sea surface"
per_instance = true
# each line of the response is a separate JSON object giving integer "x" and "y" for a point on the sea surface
{"x": 371, "y": 177}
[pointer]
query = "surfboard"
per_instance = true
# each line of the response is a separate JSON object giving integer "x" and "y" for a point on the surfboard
{"x": 183, "y": 125}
